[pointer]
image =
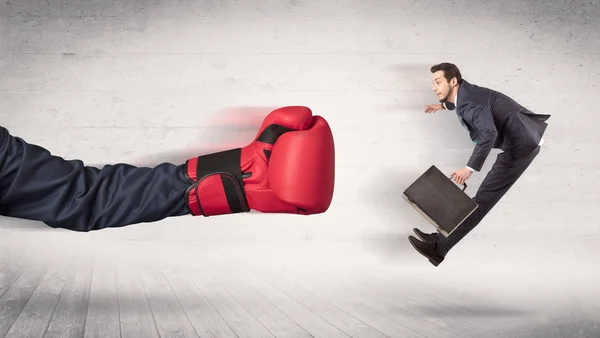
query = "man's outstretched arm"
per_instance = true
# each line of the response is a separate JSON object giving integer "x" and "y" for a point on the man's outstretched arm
{"x": 36, "y": 185}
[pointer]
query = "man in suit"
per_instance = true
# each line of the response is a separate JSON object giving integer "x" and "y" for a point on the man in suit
{"x": 493, "y": 120}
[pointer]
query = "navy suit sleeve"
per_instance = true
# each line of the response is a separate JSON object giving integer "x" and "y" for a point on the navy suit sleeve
{"x": 483, "y": 122}
{"x": 36, "y": 185}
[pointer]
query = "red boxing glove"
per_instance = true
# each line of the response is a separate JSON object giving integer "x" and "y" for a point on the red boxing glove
{"x": 288, "y": 168}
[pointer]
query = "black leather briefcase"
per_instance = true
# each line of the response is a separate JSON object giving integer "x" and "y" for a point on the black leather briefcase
{"x": 440, "y": 200}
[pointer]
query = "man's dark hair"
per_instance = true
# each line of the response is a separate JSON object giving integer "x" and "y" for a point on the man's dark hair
{"x": 450, "y": 71}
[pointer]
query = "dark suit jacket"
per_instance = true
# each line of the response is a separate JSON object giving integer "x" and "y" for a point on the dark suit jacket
{"x": 497, "y": 121}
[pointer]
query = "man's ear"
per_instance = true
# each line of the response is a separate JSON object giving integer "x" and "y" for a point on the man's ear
{"x": 453, "y": 82}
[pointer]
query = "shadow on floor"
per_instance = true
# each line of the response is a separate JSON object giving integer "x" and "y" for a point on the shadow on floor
{"x": 473, "y": 311}
{"x": 552, "y": 327}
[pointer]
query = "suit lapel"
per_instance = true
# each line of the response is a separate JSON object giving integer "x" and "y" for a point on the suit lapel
{"x": 460, "y": 98}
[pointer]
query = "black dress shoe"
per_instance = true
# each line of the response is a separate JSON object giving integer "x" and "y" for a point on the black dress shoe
{"x": 425, "y": 237}
{"x": 427, "y": 249}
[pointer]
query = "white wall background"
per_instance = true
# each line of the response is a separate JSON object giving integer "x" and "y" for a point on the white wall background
{"x": 144, "y": 82}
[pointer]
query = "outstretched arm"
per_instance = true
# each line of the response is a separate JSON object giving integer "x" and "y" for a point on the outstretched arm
{"x": 36, "y": 185}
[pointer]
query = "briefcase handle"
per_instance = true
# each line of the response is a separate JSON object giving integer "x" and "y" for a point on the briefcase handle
{"x": 464, "y": 184}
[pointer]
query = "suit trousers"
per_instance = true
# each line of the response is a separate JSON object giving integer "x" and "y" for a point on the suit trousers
{"x": 36, "y": 185}
{"x": 503, "y": 175}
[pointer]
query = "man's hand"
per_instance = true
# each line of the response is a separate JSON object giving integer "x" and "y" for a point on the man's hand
{"x": 433, "y": 108}
{"x": 461, "y": 175}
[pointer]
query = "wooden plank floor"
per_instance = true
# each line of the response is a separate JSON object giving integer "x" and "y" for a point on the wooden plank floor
{"x": 51, "y": 295}
{"x": 129, "y": 299}
{"x": 110, "y": 298}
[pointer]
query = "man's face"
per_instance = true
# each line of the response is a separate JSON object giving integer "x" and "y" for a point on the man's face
{"x": 441, "y": 87}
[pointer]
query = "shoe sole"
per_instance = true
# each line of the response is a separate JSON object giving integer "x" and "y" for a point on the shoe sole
{"x": 418, "y": 235}
{"x": 435, "y": 263}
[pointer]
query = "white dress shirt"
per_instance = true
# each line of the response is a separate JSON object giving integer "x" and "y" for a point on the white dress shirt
{"x": 456, "y": 105}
